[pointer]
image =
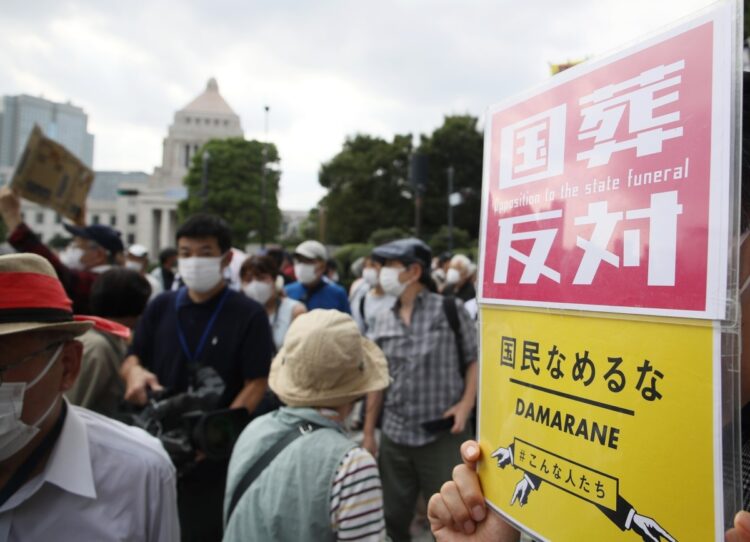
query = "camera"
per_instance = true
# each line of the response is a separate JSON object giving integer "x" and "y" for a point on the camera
{"x": 188, "y": 423}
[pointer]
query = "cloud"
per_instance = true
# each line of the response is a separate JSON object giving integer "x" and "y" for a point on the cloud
{"x": 327, "y": 69}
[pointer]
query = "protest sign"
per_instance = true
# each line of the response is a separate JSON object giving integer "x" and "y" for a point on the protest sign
{"x": 607, "y": 227}
{"x": 50, "y": 175}
{"x": 591, "y": 426}
{"x": 607, "y": 189}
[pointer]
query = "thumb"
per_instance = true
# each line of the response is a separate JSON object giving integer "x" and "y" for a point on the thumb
{"x": 470, "y": 453}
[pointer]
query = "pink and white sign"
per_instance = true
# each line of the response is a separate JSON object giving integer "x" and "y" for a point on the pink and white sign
{"x": 608, "y": 188}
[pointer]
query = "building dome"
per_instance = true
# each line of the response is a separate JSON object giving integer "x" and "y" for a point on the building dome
{"x": 210, "y": 101}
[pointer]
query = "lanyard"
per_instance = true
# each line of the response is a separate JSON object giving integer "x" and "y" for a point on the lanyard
{"x": 192, "y": 358}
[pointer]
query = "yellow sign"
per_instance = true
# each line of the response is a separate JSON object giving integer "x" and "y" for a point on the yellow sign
{"x": 598, "y": 428}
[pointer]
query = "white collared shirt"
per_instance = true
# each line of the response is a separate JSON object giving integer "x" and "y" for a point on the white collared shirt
{"x": 104, "y": 481}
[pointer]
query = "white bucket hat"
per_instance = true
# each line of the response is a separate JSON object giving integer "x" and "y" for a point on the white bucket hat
{"x": 325, "y": 362}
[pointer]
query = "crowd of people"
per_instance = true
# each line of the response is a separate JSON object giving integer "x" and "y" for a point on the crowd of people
{"x": 116, "y": 359}
{"x": 210, "y": 398}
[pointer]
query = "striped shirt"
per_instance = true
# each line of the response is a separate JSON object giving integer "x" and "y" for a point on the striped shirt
{"x": 357, "y": 499}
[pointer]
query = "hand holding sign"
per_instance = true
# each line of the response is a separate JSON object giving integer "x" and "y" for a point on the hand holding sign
{"x": 521, "y": 493}
{"x": 503, "y": 456}
{"x": 458, "y": 513}
{"x": 10, "y": 208}
{"x": 649, "y": 529}
{"x": 741, "y": 530}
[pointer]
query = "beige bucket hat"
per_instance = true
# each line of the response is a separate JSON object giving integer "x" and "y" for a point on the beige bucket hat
{"x": 32, "y": 298}
{"x": 325, "y": 362}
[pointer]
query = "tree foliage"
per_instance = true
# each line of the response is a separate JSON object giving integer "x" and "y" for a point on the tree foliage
{"x": 386, "y": 235}
{"x": 369, "y": 190}
{"x": 365, "y": 182}
{"x": 439, "y": 242}
{"x": 237, "y": 170}
{"x": 457, "y": 143}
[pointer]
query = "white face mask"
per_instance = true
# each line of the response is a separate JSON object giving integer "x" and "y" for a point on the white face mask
{"x": 14, "y": 433}
{"x": 305, "y": 272}
{"x": 389, "y": 281}
{"x": 370, "y": 276}
{"x": 452, "y": 276}
{"x": 200, "y": 274}
{"x": 135, "y": 266}
{"x": 71, "y": 258}
{"x": 258, "y": 290}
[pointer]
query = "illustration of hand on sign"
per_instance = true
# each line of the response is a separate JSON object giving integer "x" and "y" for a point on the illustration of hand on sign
{"x": 539, "y": 465}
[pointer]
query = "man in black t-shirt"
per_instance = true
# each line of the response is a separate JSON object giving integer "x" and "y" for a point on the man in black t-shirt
{"x": 202, "y": 324}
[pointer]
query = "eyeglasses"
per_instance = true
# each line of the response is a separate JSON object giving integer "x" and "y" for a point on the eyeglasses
{"x": 23, "y": 360}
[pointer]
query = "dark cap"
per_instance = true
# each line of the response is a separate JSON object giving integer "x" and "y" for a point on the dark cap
{"x": 104, "y": 236}
{"x": 407, "y": 251}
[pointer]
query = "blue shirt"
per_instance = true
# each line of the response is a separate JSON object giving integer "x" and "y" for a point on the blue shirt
{"x": 239, "y": 347}
{"x": 324, "y": 295}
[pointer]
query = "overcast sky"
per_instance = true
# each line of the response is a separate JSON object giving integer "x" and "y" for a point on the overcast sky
{"x": 327, "y": 69}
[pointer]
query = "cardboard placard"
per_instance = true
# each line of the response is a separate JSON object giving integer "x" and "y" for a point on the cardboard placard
{"x": 52, "y": 176}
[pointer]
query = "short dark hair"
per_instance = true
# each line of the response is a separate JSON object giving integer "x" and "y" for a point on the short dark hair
{"x": 262, "y": 265}
{"x": 118, "y": 293}
{"x": 205, "y": 225}
{"x": 166, "y": 254}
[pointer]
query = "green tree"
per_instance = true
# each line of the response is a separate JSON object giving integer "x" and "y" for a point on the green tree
{"x": 365, "y": 181}
{"x": 458, "y": 143}
{"x": 439, "y": 241}
{"x": 237, "y": 171}
{"x": 386, "y": 235}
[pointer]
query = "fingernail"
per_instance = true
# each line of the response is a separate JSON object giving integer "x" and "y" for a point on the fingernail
{"x": 469, "y": 527}
{"x": 743, "y": 519}
{"x": 471, "y": 451}
{"x": 477, "y": 513}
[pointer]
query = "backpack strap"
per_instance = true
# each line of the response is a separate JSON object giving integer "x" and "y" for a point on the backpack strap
{"x": 260, "y": 465}
{"x": 362, "y": 310}
{"x": 451, "y": 313}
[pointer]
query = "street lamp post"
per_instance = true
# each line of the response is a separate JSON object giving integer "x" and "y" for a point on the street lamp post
{"x": 204, "y": 179}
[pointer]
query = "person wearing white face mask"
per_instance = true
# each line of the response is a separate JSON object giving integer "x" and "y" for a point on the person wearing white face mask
{"x": 433, "y": 392}
{"x": 203, "y": 324}
{"x": 369, "y": 299}
{"x": 459, "y": 279}
{"x": 65, "y": 472}
{"x": 259, "y": 276}
{"x": 136, "y": 258}
{"x": 311, "y": 288}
